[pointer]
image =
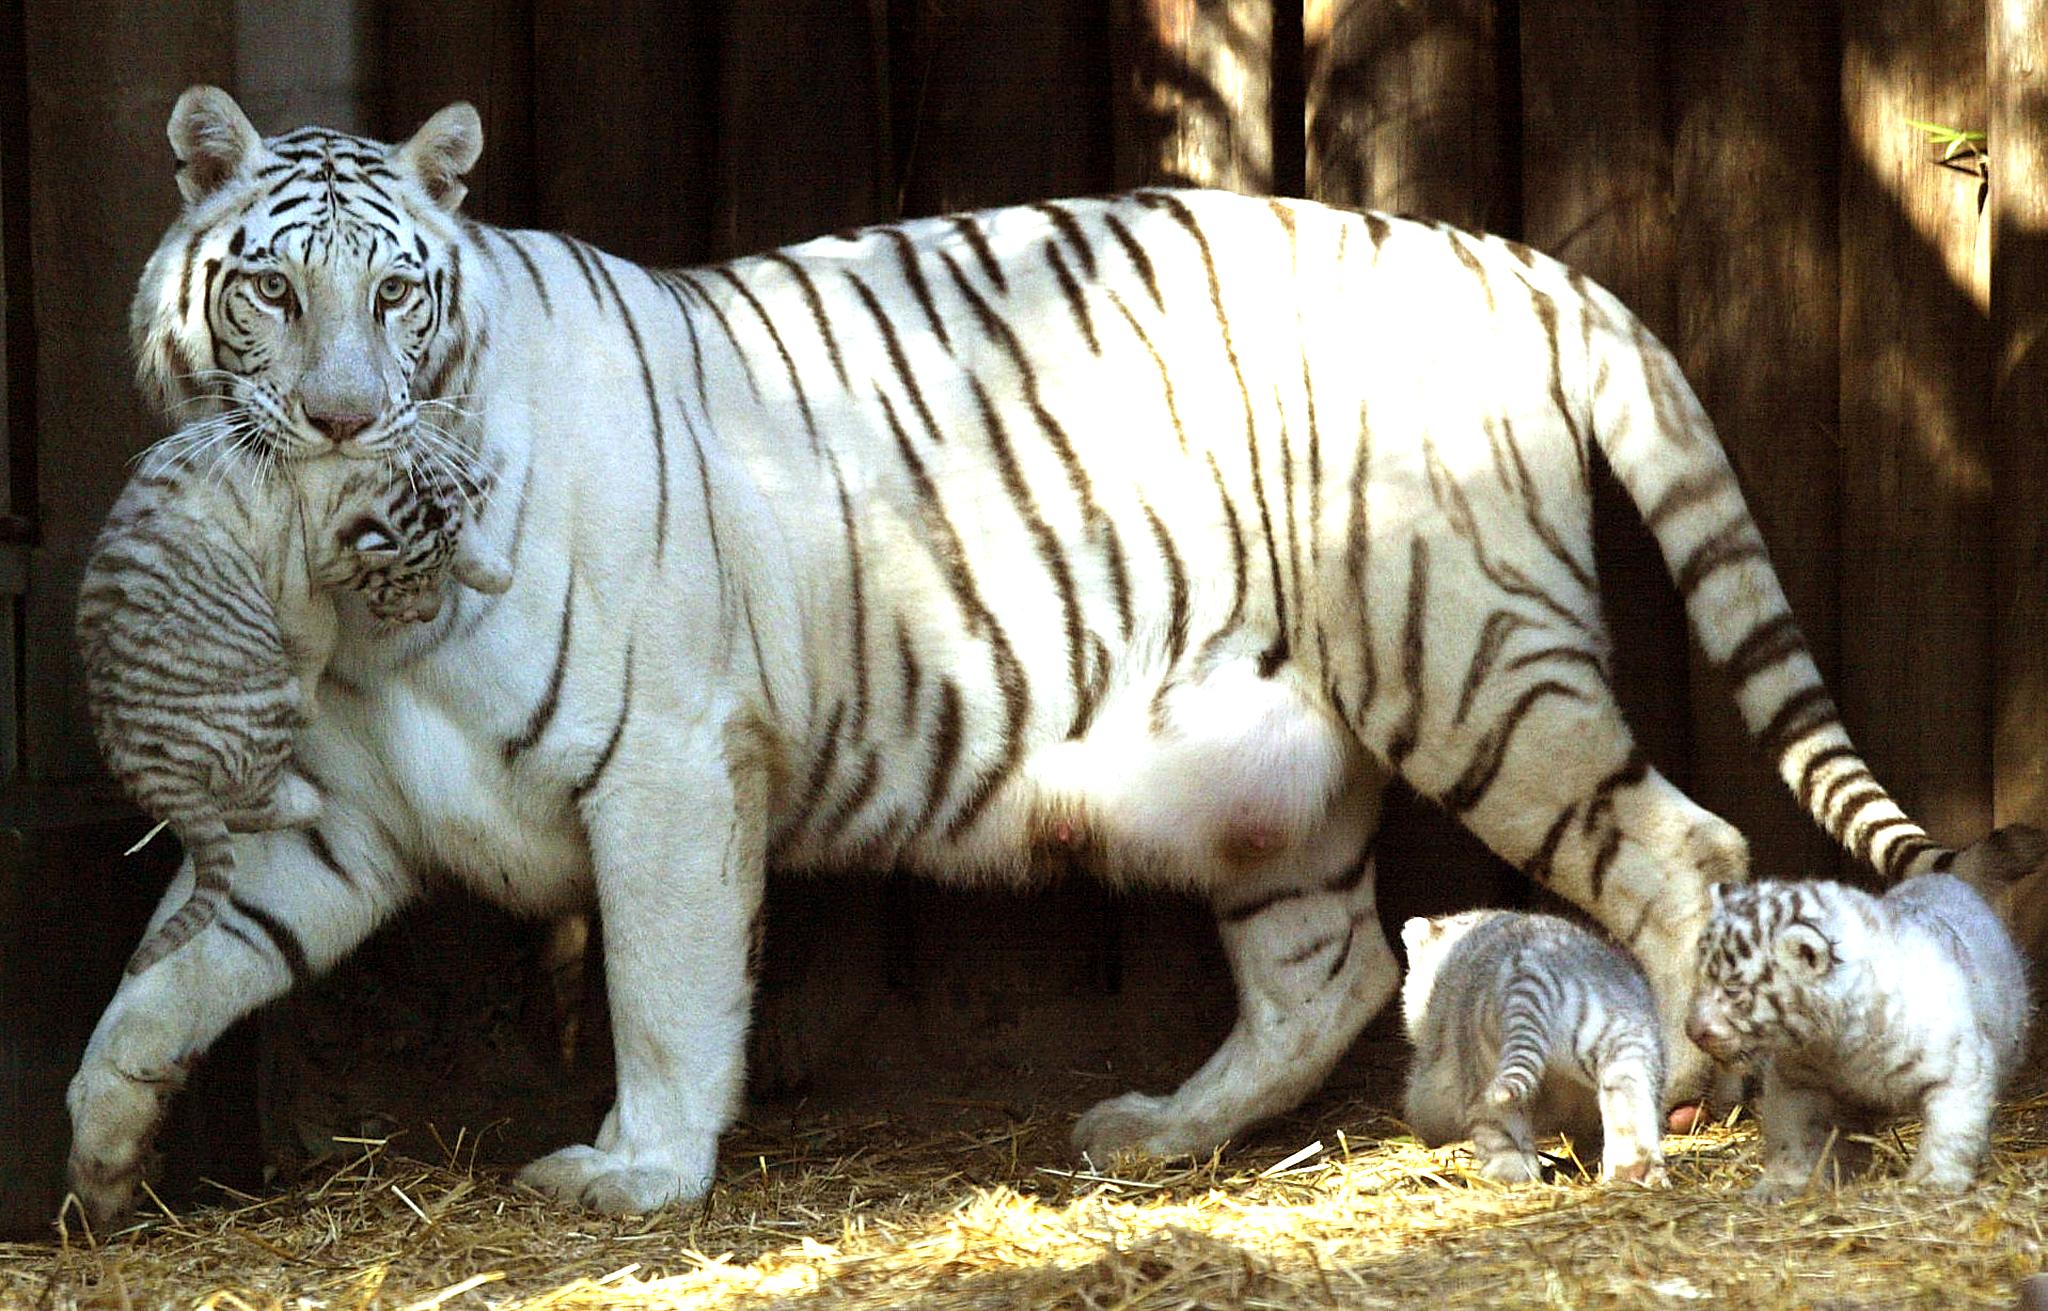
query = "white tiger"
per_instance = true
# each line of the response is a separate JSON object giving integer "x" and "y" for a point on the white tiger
{"x": 1157, "y": 532}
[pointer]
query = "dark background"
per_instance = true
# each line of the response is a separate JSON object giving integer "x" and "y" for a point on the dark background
{"x": 1860, "y": 318}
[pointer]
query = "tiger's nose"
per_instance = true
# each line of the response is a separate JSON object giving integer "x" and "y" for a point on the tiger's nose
{"x": 341, "y": 425}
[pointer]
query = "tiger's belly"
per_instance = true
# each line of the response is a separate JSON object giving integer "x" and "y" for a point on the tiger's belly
{"x": 1191, "y": 782}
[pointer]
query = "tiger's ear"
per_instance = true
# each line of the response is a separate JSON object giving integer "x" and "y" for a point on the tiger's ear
{"x": 1716, "y": 894}
{"x": 1419, "y": 932}
{"x": 445, "y": 148}
{"x": 212, "y": 139}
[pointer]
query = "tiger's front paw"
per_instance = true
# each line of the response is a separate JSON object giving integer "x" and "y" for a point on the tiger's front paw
{"x": 1137, "y": 1122}
{"x": 114, "y": 1117}
{"x": 615, "y": 1184}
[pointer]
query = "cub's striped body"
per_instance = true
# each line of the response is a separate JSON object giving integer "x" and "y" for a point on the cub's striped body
{"x": 207, "y": 614}
{"x": 1153, "y": 533}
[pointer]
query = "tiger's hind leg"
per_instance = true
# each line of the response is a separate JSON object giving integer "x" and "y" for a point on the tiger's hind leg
{"x": 1312, "y": 968}
{"x": 1553, "y": 782}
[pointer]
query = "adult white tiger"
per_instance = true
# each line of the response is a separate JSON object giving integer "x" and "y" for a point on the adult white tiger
{"x": 1153, "y": 532}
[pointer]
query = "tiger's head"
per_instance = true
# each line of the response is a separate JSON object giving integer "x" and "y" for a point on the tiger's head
{"x": 310, "y": 297}
{"x": 1771, "y": 961}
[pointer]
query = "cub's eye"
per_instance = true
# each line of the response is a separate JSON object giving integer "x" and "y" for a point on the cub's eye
{"x": 393, "y": 290}
{"x": 274, "y": 287}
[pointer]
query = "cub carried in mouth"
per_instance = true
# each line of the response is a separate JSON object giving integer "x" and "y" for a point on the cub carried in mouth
{"x": 207, "y": 616}
{"x": 1529, "y": 1024}
{"x": 1858, "y": 1007}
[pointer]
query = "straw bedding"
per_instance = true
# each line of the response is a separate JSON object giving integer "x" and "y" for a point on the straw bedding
{"x": 967, "y": 1203}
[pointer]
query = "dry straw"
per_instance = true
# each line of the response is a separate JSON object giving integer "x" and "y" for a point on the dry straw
{"x": 842, "y": 1213}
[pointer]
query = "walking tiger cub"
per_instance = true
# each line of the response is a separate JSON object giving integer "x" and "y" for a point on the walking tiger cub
{"x": 1858, "y": 1007}
{"x": 207, "y": 615}
{"x": 1155, "y": 533}
{"x": 1525, "y": 1025}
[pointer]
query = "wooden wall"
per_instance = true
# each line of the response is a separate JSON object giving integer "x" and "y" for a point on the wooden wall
{"x": 1862, "y": 322}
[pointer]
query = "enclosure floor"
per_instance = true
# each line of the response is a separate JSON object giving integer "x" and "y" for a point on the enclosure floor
{"x": 899, "y": 1199}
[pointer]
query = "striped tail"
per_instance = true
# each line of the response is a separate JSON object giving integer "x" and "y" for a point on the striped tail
{"x": 213, "y": 864}
{"x": 1523, "y": 1050}
{"x": 1661, "y": 446}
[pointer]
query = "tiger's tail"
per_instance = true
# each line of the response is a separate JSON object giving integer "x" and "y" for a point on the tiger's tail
{"x": 213, "y": 863}
{"x": 1523, "y": 1055}
{"x": 1661, "y": 446}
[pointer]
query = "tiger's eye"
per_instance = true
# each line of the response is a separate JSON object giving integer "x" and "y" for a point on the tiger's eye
{"x": 393, "y": 289}
{"x": 274, "y": 287}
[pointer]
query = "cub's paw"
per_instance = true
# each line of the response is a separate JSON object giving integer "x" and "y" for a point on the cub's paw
{"x": 1940, "y": 1177}
{"x": 1136, "y": 1122}
{"x": 1768, "y": 1189}
{"x": 1645, "y": 1169}
{"x": 114, "y": 1117}
{"x": 603, "y": 1181}
{"x": 1512, "y": 1168}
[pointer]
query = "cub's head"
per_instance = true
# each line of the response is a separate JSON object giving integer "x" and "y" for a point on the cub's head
{"x": 1768, "y": 958}
{"x": 1429, "y": 943}
{"x": 310, "y": 297}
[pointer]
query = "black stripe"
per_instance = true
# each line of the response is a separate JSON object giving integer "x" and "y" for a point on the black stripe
{"x": 1609, "y": 847}
{"x": 1493, "y": 636}
{"x": 1810, "y": 772}
{"x": 1070, "y": 228}
{"x": 282, "y": 937}
{"x": 324, "y": 853}
{"x": 1186, "y": 219}
{"x": 906, "y": 255}
{"x": 1158, "y": 362}
{"x": 818, "y": 314}
{"x": 1868, "y": 842}
{"x": 1804, "y": 713}
{"x": 550, "y": 702}
{"x": 1077, "y": 303}
{"x": 1139, "y": 259}
{"x": 859, "y": 617}
{"x": 977, "y": 240}
{"x": 796, "y": 381}
{"x": 611, "y": 743}
{"x": 1770, "y": 643}
{"x": 745, "y": 357}
{"x": 897, "y": 359}
{"x": 1177, "y": 591}
{"x": 1732, "y": 545}
{"x": 653, "y": 413}
{"x": 540, "y": 287}
{"x": 1491, "y": 753}
{"x": 583, "y": 262}
{"x": 1404, "y": 738}
{"x": 945, "y": 756}
{"x": 1689, "y": 491}
{"x": 1546, "y": 313}
{"x": 1357, "y": 559}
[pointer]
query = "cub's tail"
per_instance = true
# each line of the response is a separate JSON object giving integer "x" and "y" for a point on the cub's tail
{"x": 1662, "y": 448}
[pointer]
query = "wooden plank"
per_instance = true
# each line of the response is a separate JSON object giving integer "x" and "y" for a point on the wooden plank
{"x": 483, "y": 53}
{"x": 624, "y": 114}
{"x": 1596, "y": 193}
{"x": 1404, "y": 110}
{"x": 803, "y": 124}
{"x": 1757, "y": 253}
{"x": 1193, "y": 93}
{"x": 999, "y": 102}
{"x": 2018, "y": 147}
{"x": 1916, "y": 364}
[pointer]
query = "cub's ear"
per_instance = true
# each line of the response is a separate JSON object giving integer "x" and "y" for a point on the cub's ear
{"x": 1419, "y": 932}
{"x": 212, "y": 138}
{"x": 1805, "y": 950}
{"x": 1716, "y": 894}
{"x": 445, "y": 148}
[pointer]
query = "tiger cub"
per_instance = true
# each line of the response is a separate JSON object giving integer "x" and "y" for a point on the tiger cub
{"x": 204, "y": 624}
{"x": 1529, "y": 1024}
{"x": 1858, "y": 1006}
